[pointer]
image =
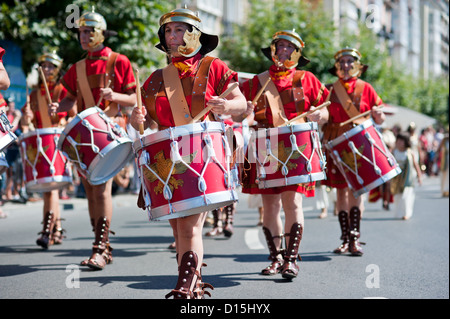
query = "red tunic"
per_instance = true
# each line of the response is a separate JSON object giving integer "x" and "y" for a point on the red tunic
{"x": 368, "y": 99}
{"x": 314, "y": 94}
{"x": 96, "y": 64}
{"x": 37, "y": 121}
{"x": 219, "y": 76}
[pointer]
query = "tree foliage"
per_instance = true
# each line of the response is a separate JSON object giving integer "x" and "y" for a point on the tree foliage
{"x": 391, "y": 81}
{"x": 41, "y": 25}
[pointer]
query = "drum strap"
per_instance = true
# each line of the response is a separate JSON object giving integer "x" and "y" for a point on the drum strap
{"x": 43, "y": 109}
{"x": 346, "y": 101}
{"x": 83, "y": 83}
{"x": 273, "y": 99}
{"x": 175, "y": 95}
{"x": 200, "y": 84}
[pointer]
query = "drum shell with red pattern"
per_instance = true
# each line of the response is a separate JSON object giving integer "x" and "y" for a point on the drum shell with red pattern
{"x": 43, "y": 173}
{"x": 343, "y": 155}
{"x": 6, "y": 136}
{"x": 187, "y": 198}
{"x": 105, "y": 150}
{"x": 305, "y": 168}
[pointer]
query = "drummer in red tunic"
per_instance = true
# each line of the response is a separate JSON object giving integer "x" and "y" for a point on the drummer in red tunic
{"x": 182, "y": 39}
{"x": 363, "y": 97}
{"x": 299, "y": 91}
{"x": 35, "y": 116}
{"x": 101, "y": 64}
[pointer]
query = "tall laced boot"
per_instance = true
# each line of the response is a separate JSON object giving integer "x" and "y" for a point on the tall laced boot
{"x": 354, "y": 246}
{"x": 229, "y": 217}
{"x": 277, "y": 261}
{"x": 85, "y": 261}
{"x": 46, "y": 234}
{"x": 290, "y": 268}
{"x": 217, "y": 226}
{"x": 199, "y": 291}
{"x": 187, "y": 277}
{"x": 101, "y": 250}
{"x": 344, "y": 223}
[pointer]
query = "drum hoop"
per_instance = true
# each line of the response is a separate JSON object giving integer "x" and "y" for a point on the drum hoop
{"x": 7, "y": 139}
{"x": 379, "y": 181}
{"x": 104, "y": 151}
{"x": 292, "y": 180}
{"x": 300, "y": 127}
{"x": 178, "y": 131}
{"x": 183, "y": 207}
{"x": 41, "y": 131}
{"x": 350, "y": 133}
{"x": 78, "y": 118}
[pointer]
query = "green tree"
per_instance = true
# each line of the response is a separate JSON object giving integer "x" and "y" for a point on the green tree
{"x": 391, "y": 81}
{"x": 38, "y": 25}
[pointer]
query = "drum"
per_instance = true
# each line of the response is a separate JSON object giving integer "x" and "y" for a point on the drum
{"x": 288, "y": 155}
{"x": 3, "y": 163}
{"x": 6, "y": 136}
{"x": 185, "y": 170}
{"x": 363, "y": 158}
{"x": 44, "y": 166}
{"x": 97, "y": 146}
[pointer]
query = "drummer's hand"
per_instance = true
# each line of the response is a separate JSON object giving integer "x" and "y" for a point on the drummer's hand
{"x": 137, "y": 117}
{"x": 249, "y": 110}
{"x": 53, "y": 108}
{"x": 218, "y": 105}
{"x": 107, "y": 93}
{"x": 315, "y": 116}
{"x": 377, "y": 114}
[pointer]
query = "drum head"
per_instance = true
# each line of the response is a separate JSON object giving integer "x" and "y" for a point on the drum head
{"x": 111, "y": 163}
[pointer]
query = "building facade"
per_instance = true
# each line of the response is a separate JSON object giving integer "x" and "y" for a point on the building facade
{"x": 415, "y": 32}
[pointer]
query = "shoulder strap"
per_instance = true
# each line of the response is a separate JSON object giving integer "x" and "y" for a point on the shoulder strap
{"x": 43, "y": 110}
{"x": 83, "y": 84}
{"x": 111, "y": 107}
{"x": 200, "y": 84}
{"x": 345, "y": 100}
{"x": 153, "y": 89}
{"x": 175, "y": 95}
{"x": 273, "y": 99}
{"x": 297, "y": 93}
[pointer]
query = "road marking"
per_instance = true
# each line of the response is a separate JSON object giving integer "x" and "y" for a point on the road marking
{"x": 252, "y": 239}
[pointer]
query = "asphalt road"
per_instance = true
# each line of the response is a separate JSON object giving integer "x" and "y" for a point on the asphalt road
{"x": 402, "y": 260}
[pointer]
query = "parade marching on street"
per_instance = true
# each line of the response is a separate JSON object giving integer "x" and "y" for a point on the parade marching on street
{"x": 402, "y": 260}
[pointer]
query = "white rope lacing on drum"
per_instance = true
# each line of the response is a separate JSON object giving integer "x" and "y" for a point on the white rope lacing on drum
{"x": 176, "y": 158}
{"x": 356, "y": 153}
{"x": 40, "y": 150}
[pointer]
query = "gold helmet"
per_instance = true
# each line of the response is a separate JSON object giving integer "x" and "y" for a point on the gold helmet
{"x": 54, "y": 59}
{"x": 98, "y": 23}
{"x": 296, "y": 58}
{"x": 195, "y": 40}
{"x": 358, "y": 68}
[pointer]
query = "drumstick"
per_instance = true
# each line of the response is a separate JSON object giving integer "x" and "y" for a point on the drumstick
{"x": 207, "y": 109}
{"x": 47, "y": 92}
{"x": 101, "y": 95}
{"x": 298, "y": 117}
{"x": 261, "y": 91}
{"x": 357, "y": 117}
{"x": 139, "y": 100}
